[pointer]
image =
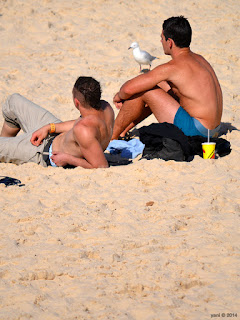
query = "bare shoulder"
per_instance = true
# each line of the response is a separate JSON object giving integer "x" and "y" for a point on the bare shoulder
{"x": 165, "y": 67}
{"x": 86, "y": 130}
{"x": 87, "y": 123}
{"x": 200, "y": 59}
{"x": 106, "y": 108}
{"x": 162, "y": 72}
{"x": 105, "y": 105}
{"x": 198, "y": 56}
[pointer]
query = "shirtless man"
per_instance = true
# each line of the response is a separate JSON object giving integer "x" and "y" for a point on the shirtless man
{"x": 78, "y": 142}
{"x": 185, "y": 91}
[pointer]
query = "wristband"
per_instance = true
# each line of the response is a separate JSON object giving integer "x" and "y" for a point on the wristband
{"x": 52, "y": 128}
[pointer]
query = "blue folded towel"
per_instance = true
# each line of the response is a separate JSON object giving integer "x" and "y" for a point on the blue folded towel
{"x": 128, "y": 149}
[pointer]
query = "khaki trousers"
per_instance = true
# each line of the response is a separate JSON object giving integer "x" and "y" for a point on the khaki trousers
{"x": 19, "y": 112}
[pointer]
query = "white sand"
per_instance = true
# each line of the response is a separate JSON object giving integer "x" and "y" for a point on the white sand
{"x": 151, "y": 240}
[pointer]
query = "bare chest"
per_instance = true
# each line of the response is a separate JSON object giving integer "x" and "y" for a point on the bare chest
{"x": 66, "y": 143}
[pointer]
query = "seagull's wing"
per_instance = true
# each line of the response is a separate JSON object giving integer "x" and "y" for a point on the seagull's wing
{"x": 148, "y": 56}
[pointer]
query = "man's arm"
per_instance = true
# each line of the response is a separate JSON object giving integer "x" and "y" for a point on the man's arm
{"x": 42, "y": 133}
{"x": 117, "y": 101}
{"x": 91, "y": 150}
{"x": 64, "y": 126}
{"x": 144, "y": 82}
{"x": 62, "y": 159}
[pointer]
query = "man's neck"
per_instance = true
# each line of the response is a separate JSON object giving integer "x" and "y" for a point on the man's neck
{"x": 178, "y": 52}
{"x": 85, "y": 112}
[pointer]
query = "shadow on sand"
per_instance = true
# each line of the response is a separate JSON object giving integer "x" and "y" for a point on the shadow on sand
{"x": 226, "y": 127}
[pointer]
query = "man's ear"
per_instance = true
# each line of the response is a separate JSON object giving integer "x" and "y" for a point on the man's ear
{"x": 171, "y": 43}
{"x": 76, "y": 102}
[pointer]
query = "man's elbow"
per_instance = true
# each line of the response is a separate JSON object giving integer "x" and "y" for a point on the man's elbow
{"x": 126, "y": 91}
{"x": 103, "y": 166}
{"x": 100, "y": 166}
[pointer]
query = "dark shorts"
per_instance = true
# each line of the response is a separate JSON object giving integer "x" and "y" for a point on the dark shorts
{"x": 47, "y": 151}
{"x": 191, "y": 126}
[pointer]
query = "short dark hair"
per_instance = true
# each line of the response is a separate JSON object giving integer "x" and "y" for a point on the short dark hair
{"x": 179, "y": 30}
{"x": 90, "y": 90}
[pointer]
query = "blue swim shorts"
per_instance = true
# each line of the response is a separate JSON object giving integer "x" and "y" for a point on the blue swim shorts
{"x": 191, "y": 126}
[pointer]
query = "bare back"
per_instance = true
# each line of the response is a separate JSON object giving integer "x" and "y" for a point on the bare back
{"x": 195, "y": 83}
{"x": 99, "y": 126}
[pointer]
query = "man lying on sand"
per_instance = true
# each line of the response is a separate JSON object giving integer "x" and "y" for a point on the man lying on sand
{"x": 78, "y": 142}
{"x": 185, "y": 91}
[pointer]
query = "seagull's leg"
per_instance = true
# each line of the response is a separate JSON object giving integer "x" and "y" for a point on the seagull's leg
{"x": 140, "y": 67}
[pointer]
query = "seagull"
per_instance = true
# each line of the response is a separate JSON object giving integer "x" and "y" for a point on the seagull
{"x": 141, "y": 56}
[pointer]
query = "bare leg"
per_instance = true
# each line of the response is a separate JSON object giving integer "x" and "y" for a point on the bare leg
{"x": 130, "y": 111}
{"x": 161, "y": 104}
{"x": 8, "y": 131}
{"x": 146, "y": 112}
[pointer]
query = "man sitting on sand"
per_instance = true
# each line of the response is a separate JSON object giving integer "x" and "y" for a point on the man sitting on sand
{"x": 78, "y": 142}
{"x": 185, "y": 91}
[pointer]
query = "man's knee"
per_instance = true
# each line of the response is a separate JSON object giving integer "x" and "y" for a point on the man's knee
{"x": 8, "y": 110}
{"x": 160, "y": 97}
{"x": 11, "y": 101}
{"x": 153, "y": 94}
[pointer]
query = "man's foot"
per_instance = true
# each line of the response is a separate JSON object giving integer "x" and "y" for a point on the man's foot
{"x": 127, "y": 137}
{"x": 134, "y": 134}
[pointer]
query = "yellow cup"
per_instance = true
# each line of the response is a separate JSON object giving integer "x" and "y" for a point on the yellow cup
{"x": 208, "y": 150}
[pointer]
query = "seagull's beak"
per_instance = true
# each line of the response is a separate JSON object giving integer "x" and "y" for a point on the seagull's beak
{"x": 129, "y": 48}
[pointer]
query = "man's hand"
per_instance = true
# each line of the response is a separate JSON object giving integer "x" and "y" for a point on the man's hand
{"x": 117, "y": 101}
{"x": 60, "y": 158}
{"x": 39, "y": 135}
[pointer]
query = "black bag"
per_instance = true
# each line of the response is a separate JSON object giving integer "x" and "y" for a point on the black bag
{"x": 168, "y": 142}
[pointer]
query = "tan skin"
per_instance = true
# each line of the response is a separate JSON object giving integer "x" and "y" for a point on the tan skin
{"x": 187, "y": 80}
{"x": 81, "y": 142}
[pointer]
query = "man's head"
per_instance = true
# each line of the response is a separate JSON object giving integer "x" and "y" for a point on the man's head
{"x": 179, "y": 30}
{"x": 87, "y": 91}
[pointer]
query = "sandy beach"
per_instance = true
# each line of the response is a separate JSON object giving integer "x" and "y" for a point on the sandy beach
{"x": 150, "y": 240}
